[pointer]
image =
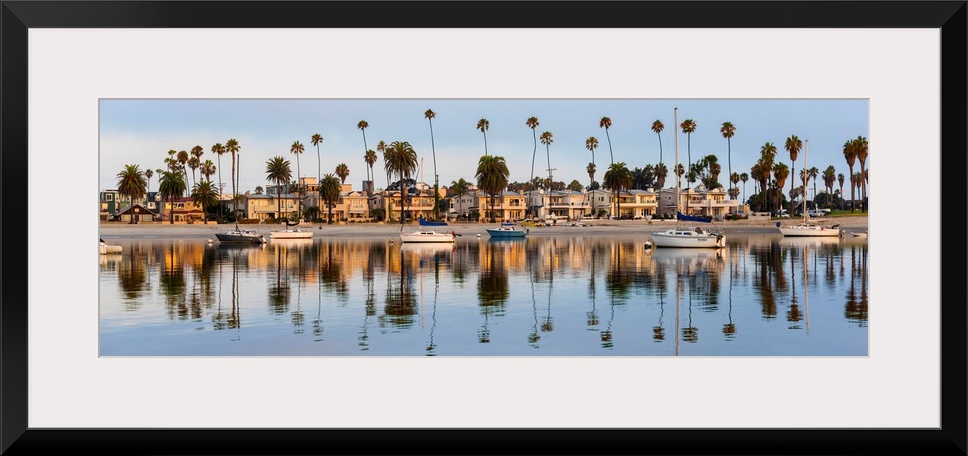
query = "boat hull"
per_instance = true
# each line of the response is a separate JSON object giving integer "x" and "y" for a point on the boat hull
{"x": 688, "y": 239}
{"x": 240, "y": 238}
{"x": 427, "y": 237}
{"x": 507, "y": 233}
{"x": 809, "y": 231}
{"x": 291, "y": 234}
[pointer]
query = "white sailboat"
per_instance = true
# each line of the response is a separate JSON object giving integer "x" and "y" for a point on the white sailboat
{"x": 697, "y": 237}
{"x": 804, "y": 228}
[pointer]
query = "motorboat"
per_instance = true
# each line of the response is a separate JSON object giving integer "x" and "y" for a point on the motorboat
{"x": 240, "y": 236}
{"x": 428, "y": 236}
{"x": 291, "y": 233}
{"x": 507, "y": 230}
{"x": 804, "y": 228}
{"x": 698, "y": 237}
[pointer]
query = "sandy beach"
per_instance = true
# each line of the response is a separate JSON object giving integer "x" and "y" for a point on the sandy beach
{"x": 122, "y": 230}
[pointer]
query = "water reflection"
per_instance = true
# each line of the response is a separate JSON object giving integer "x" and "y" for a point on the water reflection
{"x": 504, "y": 297}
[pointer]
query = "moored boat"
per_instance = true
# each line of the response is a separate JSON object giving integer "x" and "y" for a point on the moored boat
{"x": 804, "y": 229}
{"x": 507, "y": 230}
{"x": 687, "y": 238}
{"x": 240, "y": 236}
{"x": 291, "y": 233}
{"x": 428, "y": 236}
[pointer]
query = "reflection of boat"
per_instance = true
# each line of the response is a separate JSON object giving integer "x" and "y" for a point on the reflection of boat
{"x": 507, "y": 230}
{"x": 804, "y": 229}
{"x": 429, "y": 249}
{"x": 687, "y": 238}
{"x": 427, "y": 236}
{"x": 674, "y": 255}
{"x": 292, "y": 242}
{"x": 425, "y": 222}
{"x": 291, "y": 233}
{"x": 808, "y": 240}
{"x": 239, "y": 236}
{"x": 105, "y": 249}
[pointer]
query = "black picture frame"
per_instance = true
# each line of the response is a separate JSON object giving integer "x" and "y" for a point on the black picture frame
{"x": 17, "y": 17}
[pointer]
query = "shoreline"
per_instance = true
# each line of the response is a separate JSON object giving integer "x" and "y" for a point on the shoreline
{"x": 123, "y": 230}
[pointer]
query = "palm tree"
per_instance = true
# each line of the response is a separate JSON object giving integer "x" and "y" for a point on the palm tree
{"x": 148, "y": 174}
{"x": 744, "y": 177}
{"x": 492, "y": 176}
{"x": 618, "y": 178}
{"x": 205, "y": 195}
{"x": 680, "y": 171}
{"x": 661, "y": 171}
{"x": 298, "y": 148}
{"x": 342, "y": 171}
{"x": 734, "y": 179}
{"x": 207, "y": 169}
{"x": 591, "y": 174}
{"x": 591, "y": 144}
{"x": 183, "y": 161}
{"x": 459, "y": 188}
{"x": 547, "y": 139}
{"x": 131, "y": 183}
{"x": 760, "y": 174}
{"x": 381, "y": 148}
{"x": 483, "y": 125}
{"x": 430, "y": 115}
{"x": 399, "y": 158}
{"x": 814, "y": 172}
{"x": 781, "y": 172}
{"x": 171, "y": 184}
{"x": 218, "y": 149}
{"x": 329, "y": 192}
{"x": 606, "y": 123}
{"x": 532, "y": 123}
{"x": 793, "y": 145}
{"x": 767, "y": 155}
{"x": 829, "y": 177}
{"x": 278, "y": 171}
{"x": 861, "y": 144}
{"x": 850, "y": 154}
{"x": 688, "y": 127}
{"x": 728, "y": 130}
{"x": 370, "y": 159}
{"x": 316, "y": 140}
{"x": 657, "y": 127}
{"x": 233, "y": 148}
{"x": 196, "y": 157}
{"x": 840, "y": 180}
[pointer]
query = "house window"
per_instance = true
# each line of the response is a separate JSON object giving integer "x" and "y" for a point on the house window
{"x": 108, "y": 197}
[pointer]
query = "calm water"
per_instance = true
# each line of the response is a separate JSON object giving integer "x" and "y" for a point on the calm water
{"x": 764, "y": 295}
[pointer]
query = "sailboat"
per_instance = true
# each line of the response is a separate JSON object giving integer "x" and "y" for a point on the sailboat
{"x": 698, "y": 237}
{"x": 804, "y": 228}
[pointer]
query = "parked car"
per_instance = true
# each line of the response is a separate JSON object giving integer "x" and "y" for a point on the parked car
{"x": 816, "y": 213}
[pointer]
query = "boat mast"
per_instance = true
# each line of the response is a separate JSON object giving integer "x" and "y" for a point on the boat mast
{"x": 675, "y": 170}
{"x": 806, "y": 146}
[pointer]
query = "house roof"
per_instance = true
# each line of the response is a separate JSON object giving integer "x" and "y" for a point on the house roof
{"x": 128, "y": 209}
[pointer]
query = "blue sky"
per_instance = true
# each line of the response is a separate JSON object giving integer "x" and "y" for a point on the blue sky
{"x": 142, "y": 131}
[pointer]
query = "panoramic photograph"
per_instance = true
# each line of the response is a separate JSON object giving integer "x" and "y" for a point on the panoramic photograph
{"x": 483, "y": 227}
